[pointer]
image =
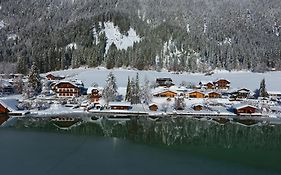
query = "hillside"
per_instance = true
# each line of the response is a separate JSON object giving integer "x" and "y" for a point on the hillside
{"x": 178, "y": 35}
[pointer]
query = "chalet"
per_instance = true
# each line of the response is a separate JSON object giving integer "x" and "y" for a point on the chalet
{"x": 213, "y": 95}
{"x": 197, "y": 107}
{"x": 66, "y": 89}
{"x": 6, "y": 87}
{"x": 244, "y": 109}
{"x": 222, "y": 84}
{"x": 94, "y": 94}
{"x": 274, "y": 94}
{"x": 53, "y": 77}
{"x": 164, "y": 82}
{"x": 241, "y": 93}
{"x": 119, "y": 105}
{"x": 153, "y": 107}
{"x": 206, "y": 85}
{"x": 195, "y": 94}
{"x": 165, "y": 93}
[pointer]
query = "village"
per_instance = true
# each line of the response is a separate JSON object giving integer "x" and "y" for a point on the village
{"x": 214, "y": 99}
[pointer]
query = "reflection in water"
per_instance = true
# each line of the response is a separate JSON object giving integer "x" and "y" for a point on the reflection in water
{"x": 3, "y": 118}
{"x": 59, "y": 154}
{"x": 255, "y": 146}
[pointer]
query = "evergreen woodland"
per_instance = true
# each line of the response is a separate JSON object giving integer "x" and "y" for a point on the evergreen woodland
{"x": 178, "y": 35}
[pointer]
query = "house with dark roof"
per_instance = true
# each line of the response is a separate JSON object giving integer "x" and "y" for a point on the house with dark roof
{"x": 164, "y": 82}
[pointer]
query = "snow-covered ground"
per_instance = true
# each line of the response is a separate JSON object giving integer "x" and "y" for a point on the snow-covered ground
{"x": 113, "y": 35}
{"x": 238, "y": 79}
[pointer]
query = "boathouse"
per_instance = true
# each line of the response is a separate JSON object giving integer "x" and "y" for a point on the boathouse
{"x": 119, "y": 105}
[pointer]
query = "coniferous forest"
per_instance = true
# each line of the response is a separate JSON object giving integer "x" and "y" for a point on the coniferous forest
{"x": 178, "y": 35}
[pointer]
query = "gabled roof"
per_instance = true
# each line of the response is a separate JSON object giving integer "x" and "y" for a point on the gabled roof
{"x": 242, "y": 105}
{"x": 205, "y": 82}
{"x": 221, "y": 79}
{"x": 89, "y": 90}
{"x": 66, "y": 82}
{"x": 192, "y": 91}
{"x": 10, "y": 104}
{"x": 5, "y": 83}
{"x": 151, "y": 104}
{"x": 119, "y": 104}
{"x": 161, "y": 90}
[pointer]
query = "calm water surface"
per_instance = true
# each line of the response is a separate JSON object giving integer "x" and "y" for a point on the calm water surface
{"x": 42, "y": 153}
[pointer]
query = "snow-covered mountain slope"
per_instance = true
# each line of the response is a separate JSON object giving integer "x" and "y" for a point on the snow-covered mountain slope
{"x": 245, "y": 79}
{"x": 113, "y": 35}
{"x": 2, "y": 24}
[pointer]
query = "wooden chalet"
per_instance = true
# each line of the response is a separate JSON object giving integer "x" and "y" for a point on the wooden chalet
{"x": 206, "y": 85}
{"x": 165, "y": 93}
{"x": 222, "y": 84}
{"x": 66, "y": 89}
{"x": 195, "y": 94}
{"x": 197, "y": 107}
{"x": 119, "y": 105}
{"x": 153, "y": 107}
{"x": 213, "y": 95}
{"x": 53, "y": 77}
{"x": 240, "y": 93}
{"x": 244, "y": 109}
{"x": 94, "y": 94}
{"x": 164, "y": 82}
{"x": 274, "y": 94}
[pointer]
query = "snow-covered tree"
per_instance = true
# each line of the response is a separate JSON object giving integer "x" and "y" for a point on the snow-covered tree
{"x": 146, "y": 95}
{"x": 135, "y": 90}
{"x": 128, "y": 91}
{"x": 110, "y": 90}
{"x": 34, "y": 79}
{"x": 18, "y": 85}
{"x": 262, "y": 90}
{"x": 179, "y": 103}
{"x": 28, "y": 90}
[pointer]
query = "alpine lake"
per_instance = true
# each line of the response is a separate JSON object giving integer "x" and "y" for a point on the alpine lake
{"x": 88, "y": 144}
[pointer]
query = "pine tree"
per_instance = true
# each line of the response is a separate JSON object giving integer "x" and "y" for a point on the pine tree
{"x": 110, "y": 89}
{"x": 262, "y": 90}
{"x": 135, "y": 90}
{"x": 146, "y": 91}
{"x": 34, "y": 79}
{"x": 128, "y": 91}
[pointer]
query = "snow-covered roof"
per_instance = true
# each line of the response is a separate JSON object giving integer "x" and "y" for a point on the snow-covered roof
{"x": 119, "y": 104}
{"x": 274, "y": 92}
{"x": 10, "y": 104}
{"x": 151, "y": 104}
{"x": 242, "y": 105}
{"x": 218, "y": 79}
{"x": 5, "y": 83}
{"x": 194, "y": 91}
{"x": 159, "y": 90}
{"x": 205, "y": 82}
{"x": 89, "y": 90}
{"x": 65, "y": 81}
